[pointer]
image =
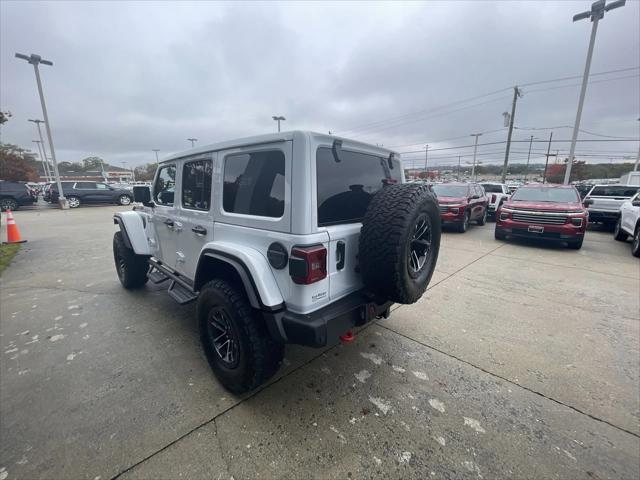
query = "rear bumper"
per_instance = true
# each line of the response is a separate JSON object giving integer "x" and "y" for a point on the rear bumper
{"x": 324, "y": 326}
{"x": 603, "y": 216}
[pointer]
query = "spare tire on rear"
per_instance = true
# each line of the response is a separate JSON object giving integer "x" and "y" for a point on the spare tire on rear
{"x": 399, "y": 242}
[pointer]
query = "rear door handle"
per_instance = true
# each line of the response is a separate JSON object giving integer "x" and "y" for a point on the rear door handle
{"x": 199, "y": 230}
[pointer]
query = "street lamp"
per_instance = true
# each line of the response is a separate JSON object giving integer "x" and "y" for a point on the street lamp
{"x": 192, "y": 140}
{"x": 595, "y": 14}
{"x": 44, "y": 150}
{"x": 278, "y": 119}
{"x": 156, "y": 150}
{"x": 36, "y": 60}
{"x": 42, "y": 159}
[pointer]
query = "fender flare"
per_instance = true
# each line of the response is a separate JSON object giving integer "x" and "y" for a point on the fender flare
{"x": 132, "y": 226}
{"x": 253, "y": 270}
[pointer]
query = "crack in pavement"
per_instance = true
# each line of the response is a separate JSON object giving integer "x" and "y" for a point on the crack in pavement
{"x": 530, "y": 390}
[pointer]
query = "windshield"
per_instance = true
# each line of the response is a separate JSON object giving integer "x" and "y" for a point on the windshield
{"x": 489, "y": 188}
{"x": 443, "y": 190}
{"x": 542, "y": 194}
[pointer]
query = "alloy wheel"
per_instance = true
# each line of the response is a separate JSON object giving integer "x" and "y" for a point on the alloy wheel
{"x": 419, "y": 245}
{"x": 222, "y": 338}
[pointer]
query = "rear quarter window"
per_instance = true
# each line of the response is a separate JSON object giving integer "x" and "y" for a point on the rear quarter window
{"x": 345, "y": 188}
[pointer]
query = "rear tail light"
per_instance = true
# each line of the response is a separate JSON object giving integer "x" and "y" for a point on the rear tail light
{"x": 308, "y": 264}
{"x": 577, "y": 221}
{"x": 493, "y": 198}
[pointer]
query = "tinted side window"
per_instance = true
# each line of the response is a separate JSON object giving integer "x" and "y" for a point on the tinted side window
{"x": 196, "y": 185}
{"x": 86, "y": 185}
{"x": 165, "y": 186}
{"x": 101, "y": 186}
{"x": 254, "y": 183}
{"x": 345, "y": 188}
{"x": 615, "y": 191}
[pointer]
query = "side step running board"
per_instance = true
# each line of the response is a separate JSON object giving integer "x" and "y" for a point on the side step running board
{"x": 156, "y": 276}
{"x": 180, "y": 294}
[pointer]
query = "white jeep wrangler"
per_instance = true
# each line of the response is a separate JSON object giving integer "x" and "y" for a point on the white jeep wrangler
{"x": 286, "y": 238}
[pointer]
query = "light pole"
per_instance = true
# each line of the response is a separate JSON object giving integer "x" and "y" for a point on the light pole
{"x": 36, "y": 60}
{"x": 526, "y": 169}
{"x": 44, "y": 150}
{"x": 595, "y": 14}
{"x": 635, "y": 167}
{"x": 475, "y": 150}
{"x": 156, "y": 150}
{"x": 193, "y": 141}
{"x": 44, "y": 165}
{"x": 458, "y": 175}
{"x": 278, "y": 119}
{"x": 426, "y": 159}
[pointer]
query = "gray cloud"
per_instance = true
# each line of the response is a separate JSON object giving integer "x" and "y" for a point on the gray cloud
{"x": 129, "y": 77}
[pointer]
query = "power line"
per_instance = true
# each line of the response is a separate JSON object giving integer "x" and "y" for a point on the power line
{"x": 580, "y": 76}
{"x": 578, "y": 84}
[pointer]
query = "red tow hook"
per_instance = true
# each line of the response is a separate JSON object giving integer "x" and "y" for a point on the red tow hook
{"x": 347, "y": 337}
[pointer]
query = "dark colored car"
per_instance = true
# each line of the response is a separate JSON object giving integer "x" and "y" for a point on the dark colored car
{"x": 78, "y": 193}
{"x": 552, "y": 212}
{"x": 461, "y": 203}
{"x": 13, "y": 195}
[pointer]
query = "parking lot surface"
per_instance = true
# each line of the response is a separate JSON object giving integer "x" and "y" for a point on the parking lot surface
{"x": 521, "y": 361}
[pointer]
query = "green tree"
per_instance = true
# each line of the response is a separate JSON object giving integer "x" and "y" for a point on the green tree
{"x": 15, "y": 164}
{"x": 4, "y": 117}
{"x": 93, "y": 163}
{"x": 146, "y": 172}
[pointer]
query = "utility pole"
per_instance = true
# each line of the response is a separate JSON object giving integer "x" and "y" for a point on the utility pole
{"x": 526, "y": 169}
{"x": 193, "y": 141}
{"x": 458, "y": 175}
{"x": 595, "y": 14}
{"x": 47, "y": 172}
{"x": 426, "y": 159}
{"x": 516, "y": 94}
{"x": 278, "y": 119}
{"x": 44, "y": 165}
{"x": 475, "y": 150}
{"x": 36, "y": 60}
{"x": 544, "y": 176}
{"x": 635, "y": 167}
{"x": 156, "y": 150}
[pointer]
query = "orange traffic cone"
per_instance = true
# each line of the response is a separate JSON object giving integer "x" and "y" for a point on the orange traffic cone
{"x": 13, "y": 234}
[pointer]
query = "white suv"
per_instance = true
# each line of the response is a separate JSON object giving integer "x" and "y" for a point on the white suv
{"x": 629, "y": 224}
{"x": 286, "y": 238}
{"x": 497, "y": 193}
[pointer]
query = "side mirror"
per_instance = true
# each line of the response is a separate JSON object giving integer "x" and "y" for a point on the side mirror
{"x": 587, "y": 202}
{"x": 636, "y": 203}
{"x": 142, "y": 194}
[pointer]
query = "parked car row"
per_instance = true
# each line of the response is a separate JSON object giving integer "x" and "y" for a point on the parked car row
{"x": 78, "y": 193}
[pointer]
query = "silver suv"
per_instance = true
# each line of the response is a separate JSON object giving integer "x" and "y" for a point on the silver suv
{"x": 285, "y": 238}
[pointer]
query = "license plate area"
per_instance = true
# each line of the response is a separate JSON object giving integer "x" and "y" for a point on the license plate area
{"x": 536, "y": 229}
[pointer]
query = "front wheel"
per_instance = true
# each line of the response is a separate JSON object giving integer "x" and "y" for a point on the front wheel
{"x": 618, "y": 233}
{"x": 499, "y": 235}
{"x": 132, "y": 269}
{"x": 575, "y": 244}
{"x": 235, "y": 340}
{"x": 464, "y": 226}
{"x": 635, "y": 246}
{"x": 124, "y": 200}
{"x": 8, "y": 204}
{"x": 482, "y": 220}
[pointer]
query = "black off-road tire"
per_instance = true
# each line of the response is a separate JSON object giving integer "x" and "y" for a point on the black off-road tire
{"x": 393, "y": 218}
{"x": 635, "y": 246}
{"x": 258, "y": 355}
{"x": 575, "y": 244}
{"x": 8, "y": 204}
{"x": 132, "y": 269}
{"x": 618, "y": 233}
{"x": 499, "y": 234}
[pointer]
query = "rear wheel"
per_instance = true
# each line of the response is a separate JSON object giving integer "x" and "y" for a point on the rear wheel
{"x": 235, "y": 340}
{"x": 618, "y": 233}
{"x": 74, "y": 202}
{"x": 575, "y": 244}
{"x": 8, "y": 204}
{"x": 124, "y": 199}
{"x": 635, "y": 246}
{"x": 132, "y": 269}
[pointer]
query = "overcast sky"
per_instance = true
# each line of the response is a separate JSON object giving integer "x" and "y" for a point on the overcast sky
{"x": 129, "y": 77}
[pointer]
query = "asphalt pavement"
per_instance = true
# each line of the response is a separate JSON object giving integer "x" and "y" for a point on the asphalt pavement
{"x": 521, "y": 361}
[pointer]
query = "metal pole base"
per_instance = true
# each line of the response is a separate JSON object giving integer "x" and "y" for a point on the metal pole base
{"x": 63, "y": 204}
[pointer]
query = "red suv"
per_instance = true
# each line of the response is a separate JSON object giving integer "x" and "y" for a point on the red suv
{"x": 552, "y": 212}
{"x": 460, "y": 203}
